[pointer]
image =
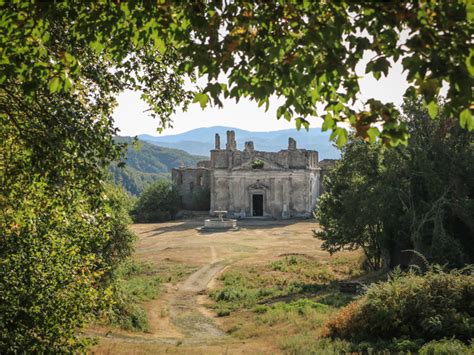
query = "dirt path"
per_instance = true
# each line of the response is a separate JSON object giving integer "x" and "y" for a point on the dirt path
{"x": 185, "y": 310}
{"x": 189, "y": 324}
{"x": 178, "y": 321}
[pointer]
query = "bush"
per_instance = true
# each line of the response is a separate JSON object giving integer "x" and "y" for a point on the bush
{"x": 430, "y": 307}
{"x": 445, "y": 346}
{"x": 158, "y": 203}
{"x": 120, "y": 244}
{"x": 50, "y": 267}
{"x": 308, "y": 344}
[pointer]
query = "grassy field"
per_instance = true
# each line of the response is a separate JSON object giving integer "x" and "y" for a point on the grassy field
{"x": 285, "y": 301}
{"x": 265, "y": 289}
{"x": 135, "y": 284}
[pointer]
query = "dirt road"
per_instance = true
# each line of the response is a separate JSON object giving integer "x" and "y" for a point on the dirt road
{"x": 178, "y": 321}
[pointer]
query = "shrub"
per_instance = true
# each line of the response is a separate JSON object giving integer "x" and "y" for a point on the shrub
{"x": 432, "y": 306}
{"x": 445, "y": 346}
{"x": 308, "y": 344}
{"x": 158, "y": 203}
{"x": 120, "y": 244}
{"x": 257, "y": 164}
{"x": 50, "y": 267}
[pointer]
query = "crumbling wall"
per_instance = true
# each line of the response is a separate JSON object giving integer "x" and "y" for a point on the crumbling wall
{"x": 190, "y": 183}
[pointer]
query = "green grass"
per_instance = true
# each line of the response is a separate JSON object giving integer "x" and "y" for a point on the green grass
{"x": 136, "y": 283}
{"x": 305, "y": 343}
{"x": 288, "y": 277}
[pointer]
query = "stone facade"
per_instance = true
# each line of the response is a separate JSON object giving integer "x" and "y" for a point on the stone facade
{"x": 252, "y": 183}
{"x": 191, "y": 181}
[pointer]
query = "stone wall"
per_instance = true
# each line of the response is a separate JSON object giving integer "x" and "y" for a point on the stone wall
{"x": 287, "y": 185}
{"x": 284, "y": 159}
{"x": 189, "y": 181}
{"x": 286, "y": 194}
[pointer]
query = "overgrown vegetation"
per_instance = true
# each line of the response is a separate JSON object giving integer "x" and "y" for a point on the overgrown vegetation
{"x": 430, "y": 306}
{"x": 298, "y": 298}
{"x": 416, "y": 197}
{"x": 292, "y": 295}
{"x": 57, "y": 95}
{"x": 257, "y": 164}
{"x": 158, "y": 203}
{"x": 134, "y": 283}
{"x": 413, "y": 308}
{"x": 292, "y": 276}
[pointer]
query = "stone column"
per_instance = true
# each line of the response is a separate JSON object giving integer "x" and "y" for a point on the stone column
{"x": 231, "y": 144}
{"x": 217, "y": 142}
{"x": 291, "y": 144}
{"x": 249, "y": 147}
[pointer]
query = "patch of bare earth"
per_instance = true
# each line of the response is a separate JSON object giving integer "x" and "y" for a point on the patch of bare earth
{"x": 178, "y": 321}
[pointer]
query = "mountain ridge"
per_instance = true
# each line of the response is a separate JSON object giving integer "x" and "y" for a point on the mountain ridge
{"x": 200, "y": 141}
{"x": 147, "y": 163}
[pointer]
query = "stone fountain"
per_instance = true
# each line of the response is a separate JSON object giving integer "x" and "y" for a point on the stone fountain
{"x": 220, "y": 222}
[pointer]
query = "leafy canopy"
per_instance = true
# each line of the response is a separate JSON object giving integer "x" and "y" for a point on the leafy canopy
{"x": 159, "y": 202}
{"x": 303, "y": 51}
{"x": 415, "y": 197}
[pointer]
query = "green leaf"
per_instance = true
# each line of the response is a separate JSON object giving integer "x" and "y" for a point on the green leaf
{"x": 433, "y": 109}
{"x": 466, "y": 119}
{"x": 341, "y": 137}
{"x": 328, "y": 123}
{"x": 160, "y": 45}
{"x": 97, "y": 47}
{"x": 380, "y": 65}
{"x": 470, "y": 62}
{"x": 54, "y": 85}
{"x": 298, "y": 124}
{"x": 281, "y": 111}
{"x": 373, "y": 133}
{"x": 202, "y": 99}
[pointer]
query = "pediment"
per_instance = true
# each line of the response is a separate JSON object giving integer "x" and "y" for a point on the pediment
{"x": 258, "y": 186}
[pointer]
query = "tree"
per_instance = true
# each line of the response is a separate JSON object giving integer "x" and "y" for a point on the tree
{"x": 419, "y": 196}
{"x": 306, "y": 52}
{"x": 159, "y": 202}
{"x": 439, "y": 199}
{"x": 357, "y": 204}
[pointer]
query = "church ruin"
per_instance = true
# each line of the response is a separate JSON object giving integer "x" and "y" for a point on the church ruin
{"x": 252, "y": 183}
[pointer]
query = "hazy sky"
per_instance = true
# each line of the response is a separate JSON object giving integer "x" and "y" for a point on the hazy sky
{"x": 131, "y": 119}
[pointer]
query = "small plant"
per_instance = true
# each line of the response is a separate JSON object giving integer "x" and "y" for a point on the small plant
{"x": 257, "y": 164}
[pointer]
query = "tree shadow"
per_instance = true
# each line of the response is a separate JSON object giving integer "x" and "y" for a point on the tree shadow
{"x": 242, "y": 224}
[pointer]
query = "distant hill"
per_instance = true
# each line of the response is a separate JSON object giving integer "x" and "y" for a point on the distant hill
{"x": 201, "y": 140}
{"x": 148, "y": 163}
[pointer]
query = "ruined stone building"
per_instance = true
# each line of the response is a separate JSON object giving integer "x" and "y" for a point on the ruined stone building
{"x": 252, "y": 183}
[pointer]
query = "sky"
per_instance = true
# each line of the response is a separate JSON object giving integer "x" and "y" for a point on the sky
{"x": 131, "y": 119}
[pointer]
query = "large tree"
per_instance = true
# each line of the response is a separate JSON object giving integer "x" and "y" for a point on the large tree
{"x": 420, "y": 196}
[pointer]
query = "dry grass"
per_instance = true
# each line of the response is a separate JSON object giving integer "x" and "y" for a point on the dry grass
{"x": 273, "y": 266}
{"x": 284, "y": 299}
